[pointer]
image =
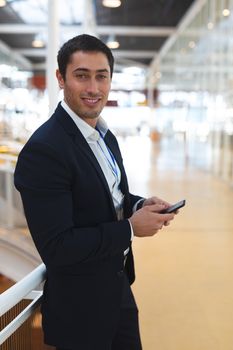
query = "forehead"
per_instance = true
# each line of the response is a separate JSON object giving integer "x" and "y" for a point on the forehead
{"x": 92, "y": 61}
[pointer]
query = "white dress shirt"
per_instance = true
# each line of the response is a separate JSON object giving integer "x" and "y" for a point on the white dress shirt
{"x": 106, "y": 160}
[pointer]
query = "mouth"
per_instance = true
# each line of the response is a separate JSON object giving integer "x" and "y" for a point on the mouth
{"x": 91, "y": 101}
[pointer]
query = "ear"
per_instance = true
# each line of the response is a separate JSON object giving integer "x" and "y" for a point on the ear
{"x": 60, "y": 79}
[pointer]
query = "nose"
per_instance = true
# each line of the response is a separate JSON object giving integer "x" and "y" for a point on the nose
{"x": 92, "y": 86}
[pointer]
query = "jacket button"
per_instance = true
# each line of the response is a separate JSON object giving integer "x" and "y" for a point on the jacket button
{"x": 120, "y": 273}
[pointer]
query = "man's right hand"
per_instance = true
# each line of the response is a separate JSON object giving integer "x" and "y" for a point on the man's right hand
{"x": 147, "y": 220}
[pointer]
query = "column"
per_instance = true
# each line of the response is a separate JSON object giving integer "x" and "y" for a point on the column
{"x": 52, "y": 49}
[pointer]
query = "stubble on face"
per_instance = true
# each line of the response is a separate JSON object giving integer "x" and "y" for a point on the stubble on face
{"x": 87, "y": 84}
{"x": 86, "y": 106}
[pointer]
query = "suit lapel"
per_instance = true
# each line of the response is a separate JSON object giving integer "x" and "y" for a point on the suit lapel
{"x": 82, "y": 145}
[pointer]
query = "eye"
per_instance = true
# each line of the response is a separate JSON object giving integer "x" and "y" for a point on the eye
{"x": 81, "y": 76}
{"x": 102, "y": 76}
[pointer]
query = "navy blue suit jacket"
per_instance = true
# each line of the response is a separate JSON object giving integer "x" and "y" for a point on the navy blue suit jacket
{"x": 72, "y": 219}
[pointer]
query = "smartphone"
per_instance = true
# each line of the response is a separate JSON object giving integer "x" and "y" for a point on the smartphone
{"x": 173, "y": 207}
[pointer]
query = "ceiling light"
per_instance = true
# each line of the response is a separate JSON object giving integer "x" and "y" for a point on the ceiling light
{"x": 210, "y": 25}
{"x": 38, "y": 41}
{"x": 226, "y": 12}
{"x": 111, "y": 3}
{"x": 192, "y": 44}
{"x": 2, "y": 3}
{"x": 112, "y": 43}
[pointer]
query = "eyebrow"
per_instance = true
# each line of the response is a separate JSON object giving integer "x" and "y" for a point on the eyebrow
{"x": 105, "y": 70}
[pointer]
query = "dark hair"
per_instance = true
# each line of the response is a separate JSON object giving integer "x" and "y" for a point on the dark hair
{"x": 83, "y": 42}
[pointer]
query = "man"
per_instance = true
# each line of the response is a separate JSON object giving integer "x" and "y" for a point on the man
{"x": 80, "y": 213}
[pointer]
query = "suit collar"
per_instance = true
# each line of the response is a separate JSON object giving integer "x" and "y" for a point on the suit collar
{"x": 80, "y": 142}
{"x": 85, "y": 128}
{"x": 68, "y": 124}
{"x": 64, "y": 119}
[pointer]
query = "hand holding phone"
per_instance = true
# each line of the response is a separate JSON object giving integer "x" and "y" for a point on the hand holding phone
{"x": 173, "y": 207}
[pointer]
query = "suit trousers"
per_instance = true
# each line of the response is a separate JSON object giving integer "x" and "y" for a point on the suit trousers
{"x": 127, "y": 336}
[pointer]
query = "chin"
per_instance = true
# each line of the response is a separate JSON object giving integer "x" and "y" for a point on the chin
{"x": 92, "y": 115}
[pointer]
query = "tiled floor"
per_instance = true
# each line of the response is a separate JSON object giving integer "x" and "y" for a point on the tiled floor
{"x": 184, "y": 285}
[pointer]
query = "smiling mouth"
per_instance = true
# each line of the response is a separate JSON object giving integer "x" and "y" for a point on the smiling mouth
{"x": 91, "y": 101}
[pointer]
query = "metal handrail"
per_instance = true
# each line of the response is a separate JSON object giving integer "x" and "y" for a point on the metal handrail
{"x": 17, "y": 292}
{"x": 23, "y": 289}
{"x": 20, "y": 319}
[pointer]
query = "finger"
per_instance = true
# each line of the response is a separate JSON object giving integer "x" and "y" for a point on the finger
{"x": 156, "y": 208}
{"x": 168, "y": 217}
{"x": 167, "y": 223}
{"x": 167, "y": 204}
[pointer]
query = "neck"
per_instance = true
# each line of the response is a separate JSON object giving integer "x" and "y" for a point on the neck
{"x": 91, "y": 122}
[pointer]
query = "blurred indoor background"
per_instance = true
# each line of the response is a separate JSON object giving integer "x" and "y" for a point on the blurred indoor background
{"x": 171, "y": 108}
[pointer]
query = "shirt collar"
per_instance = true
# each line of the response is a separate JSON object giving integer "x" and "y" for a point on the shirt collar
{"x": 88, "y": 131}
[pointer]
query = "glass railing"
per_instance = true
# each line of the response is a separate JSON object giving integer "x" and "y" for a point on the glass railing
{"x": 11, "y": 209}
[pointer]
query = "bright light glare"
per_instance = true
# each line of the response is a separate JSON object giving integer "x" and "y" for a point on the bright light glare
{"x": 192, "y": 44}
{"x": 111, "y": 3}
{"x": 158, "y": 75}
{"x": 119, "y": 81}
{"x": 133, "y": 70}
{"x": 7, "y": 71}
{"x": 113, "y": 44}
{"x": 226, "y": 12}
{"x": 210, "y": 25}
{"x": 2, "y": 3}
{"x": 38, "y": 43}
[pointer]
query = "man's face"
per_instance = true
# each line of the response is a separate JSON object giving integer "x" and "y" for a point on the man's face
{"x": 87, "y": 84}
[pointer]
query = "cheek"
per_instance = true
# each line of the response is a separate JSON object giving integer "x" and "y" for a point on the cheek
{"x": 106, "y": 91}
{"x": 73, "y": 90}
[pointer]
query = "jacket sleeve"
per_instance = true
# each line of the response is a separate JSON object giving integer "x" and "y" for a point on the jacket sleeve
{"x": 44, "y": 182}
